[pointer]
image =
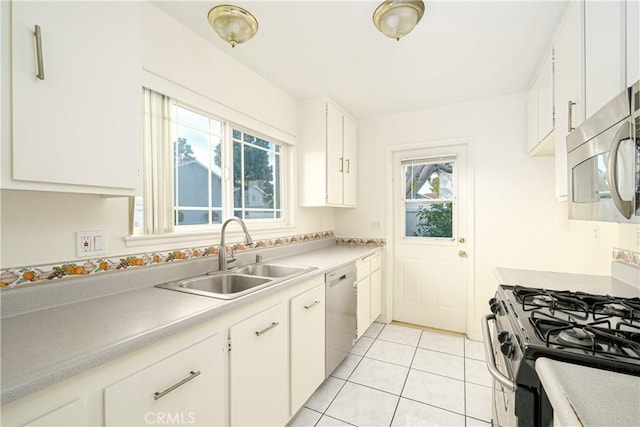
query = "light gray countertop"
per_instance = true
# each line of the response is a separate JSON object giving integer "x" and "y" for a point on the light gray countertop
{"x": 583, "y": 396}
{"x": 566, "y": 281}
{"x": 43, "y": 347}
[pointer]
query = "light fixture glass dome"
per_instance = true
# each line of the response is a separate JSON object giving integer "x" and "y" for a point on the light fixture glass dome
{"x": 233, "y": 24}
{"x": 396, "y": 18}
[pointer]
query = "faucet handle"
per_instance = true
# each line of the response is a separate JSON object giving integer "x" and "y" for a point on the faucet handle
{"x": 258, "y": 258}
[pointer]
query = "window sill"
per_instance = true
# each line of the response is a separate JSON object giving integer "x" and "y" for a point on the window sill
{"x": 205, "y": 237}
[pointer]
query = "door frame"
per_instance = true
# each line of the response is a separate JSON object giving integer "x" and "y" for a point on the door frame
{"x": 470, "y": 217}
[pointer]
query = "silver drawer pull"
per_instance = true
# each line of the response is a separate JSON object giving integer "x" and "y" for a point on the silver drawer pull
{"x": 267, "y": 329}
{"x": 158, "y": 394}
{"x": 307, "y": 307}
{"x": 38, "y": 36}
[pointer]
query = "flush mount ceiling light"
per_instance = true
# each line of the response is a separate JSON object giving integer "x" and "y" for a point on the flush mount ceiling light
{"x": 233, "y": 24}
{"x": 396, "y": 18}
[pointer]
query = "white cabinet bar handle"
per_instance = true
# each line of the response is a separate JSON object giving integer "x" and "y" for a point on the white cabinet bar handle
{"x": 158, "y": 394}
{"x": 570, "y": 105}
{"x": 267, "y": 329}
{"x": 348, "y": 165}
{"x": 307, "y": 307}
{"x": 38, "y": 36}
{"x": 341, "y": 164}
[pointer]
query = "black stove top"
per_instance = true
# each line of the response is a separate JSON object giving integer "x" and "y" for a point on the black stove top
{"x": 595, "y": 330}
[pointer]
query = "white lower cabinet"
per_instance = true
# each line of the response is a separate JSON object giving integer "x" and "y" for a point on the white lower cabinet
{"x": 186, "y": 388}
{"x": 369, "y": 285}
{"x": 71, "y": 414}
{"x": 307, "y": 344}
{"x": 259, "y": 369}
{"x": 363, "y": 318}
{"x": 255, "y": 365}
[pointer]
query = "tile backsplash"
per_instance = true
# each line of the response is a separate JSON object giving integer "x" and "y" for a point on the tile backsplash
{"x": 42, "y": 274}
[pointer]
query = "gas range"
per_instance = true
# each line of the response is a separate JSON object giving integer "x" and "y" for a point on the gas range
{"x": 602, "y": 331}
{"x": 599, "y": 331}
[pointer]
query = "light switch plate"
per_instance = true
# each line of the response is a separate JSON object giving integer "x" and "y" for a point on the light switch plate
{"x": 91, "y": 243}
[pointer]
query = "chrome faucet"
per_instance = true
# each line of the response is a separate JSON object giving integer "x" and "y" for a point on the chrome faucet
{"x": 222, "y": 249}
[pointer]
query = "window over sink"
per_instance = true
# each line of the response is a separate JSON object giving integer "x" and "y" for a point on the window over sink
{"x": 200, "y": 170}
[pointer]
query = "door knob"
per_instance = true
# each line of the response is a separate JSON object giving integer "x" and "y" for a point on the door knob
{"x": 462, "y": 254}
{"x": 462, "y": 240}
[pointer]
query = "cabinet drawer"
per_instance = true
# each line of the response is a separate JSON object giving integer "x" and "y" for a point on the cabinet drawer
{"x": 186, "y": 388}
{"x": 364, "y": 268}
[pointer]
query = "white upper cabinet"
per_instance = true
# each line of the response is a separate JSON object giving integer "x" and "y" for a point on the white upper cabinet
{"x": 327, "y": 155}
{"x": 605, "y": 53}
{"x": 569, "y": 105}
{"x": 77, "y": 127}
{"x": 633, "y": 42}
{"x": 540, "y": 114}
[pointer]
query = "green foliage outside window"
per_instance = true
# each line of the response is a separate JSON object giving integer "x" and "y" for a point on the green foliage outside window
{"x": 435, "y": 220}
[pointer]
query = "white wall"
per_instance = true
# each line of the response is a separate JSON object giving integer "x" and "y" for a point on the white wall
{"x": 518, "y": 221}
{"x": 39, "y": 227}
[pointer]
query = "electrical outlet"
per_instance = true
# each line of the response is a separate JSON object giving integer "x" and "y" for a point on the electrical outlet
{"x": 596, "y": 233}
{"x": 90, "y": 243}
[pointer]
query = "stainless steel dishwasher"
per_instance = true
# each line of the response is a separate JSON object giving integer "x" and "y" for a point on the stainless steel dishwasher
{"x": 341, "y": 304}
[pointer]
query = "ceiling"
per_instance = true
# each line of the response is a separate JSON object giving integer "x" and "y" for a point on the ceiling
{"x": 460, "y": 51}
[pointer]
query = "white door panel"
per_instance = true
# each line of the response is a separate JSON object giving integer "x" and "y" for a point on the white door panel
{"x": 430, "y": 273}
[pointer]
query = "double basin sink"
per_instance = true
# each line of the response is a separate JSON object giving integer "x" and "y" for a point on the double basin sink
{"x": 237, "y": 282}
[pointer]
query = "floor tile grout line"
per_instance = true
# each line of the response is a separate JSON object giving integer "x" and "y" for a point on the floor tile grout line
{"x": 433, "y": 406}
{"x": 405, "y": 380}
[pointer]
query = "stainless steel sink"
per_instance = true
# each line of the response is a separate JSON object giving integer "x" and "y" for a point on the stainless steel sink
{"x": 271, "y": 270}
{"x": 238, "y": 282}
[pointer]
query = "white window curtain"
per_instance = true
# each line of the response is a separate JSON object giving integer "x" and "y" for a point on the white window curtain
{"x": 157, "y": 164}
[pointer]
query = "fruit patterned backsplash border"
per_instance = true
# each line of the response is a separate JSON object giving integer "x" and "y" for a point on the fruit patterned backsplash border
{"x": 42, "y": 274}
{"x": 359, "y": 241}
{"x": 627, "y": 256}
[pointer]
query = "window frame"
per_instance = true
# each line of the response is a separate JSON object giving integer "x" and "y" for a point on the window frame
{"x": 452, "y": 201}
{"x": 189, "y": 232}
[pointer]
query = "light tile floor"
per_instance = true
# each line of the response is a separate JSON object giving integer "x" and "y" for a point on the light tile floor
{"x": 399, "y": 376}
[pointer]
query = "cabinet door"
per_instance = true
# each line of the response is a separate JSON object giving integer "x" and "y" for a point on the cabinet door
{"x": 335, "y": 158}
{"x": 633, "y": 42}
{"x": 376, "y": 294}
{"x": 191, "y": 387}
{"x": 307, "y": 344}
{"x": 81, "y": 124}
{"x": 259, "y": 369}
{"x": 568, "y": 89}
{"x": 350, "y": 152}
{"x": 364, "y": 305}
{"x": 604, "y": 52}
{"x": 545, "y": 98}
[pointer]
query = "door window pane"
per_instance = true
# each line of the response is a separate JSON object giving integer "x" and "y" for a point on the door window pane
{"x": 429, "y": 220}
{"x": 429, "y": 190}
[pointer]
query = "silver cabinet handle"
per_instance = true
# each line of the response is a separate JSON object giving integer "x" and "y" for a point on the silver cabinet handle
{"x": 625, "y": 207}
{"x": 158, "y": 394}
{"x": 267, "y": 329}
{"x": 38, "y": 36}
{"x": 570, "y": 105}
{"x": 313, "y": 304}
{"x": 488, "y": 352}
{"x": 341, "y": 164}
{"x": 348, "y": 165}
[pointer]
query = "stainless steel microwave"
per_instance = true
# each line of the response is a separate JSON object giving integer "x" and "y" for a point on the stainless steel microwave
{"x": 604, "y": 162}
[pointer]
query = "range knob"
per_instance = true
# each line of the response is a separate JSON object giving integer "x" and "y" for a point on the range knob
{"x": 494, "y": 306}
{"x": 508, "y": 348}
{"x": 504, "y": 336}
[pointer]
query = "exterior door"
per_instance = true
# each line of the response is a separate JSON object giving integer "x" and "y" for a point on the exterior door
{"x": 430, "y": 198}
